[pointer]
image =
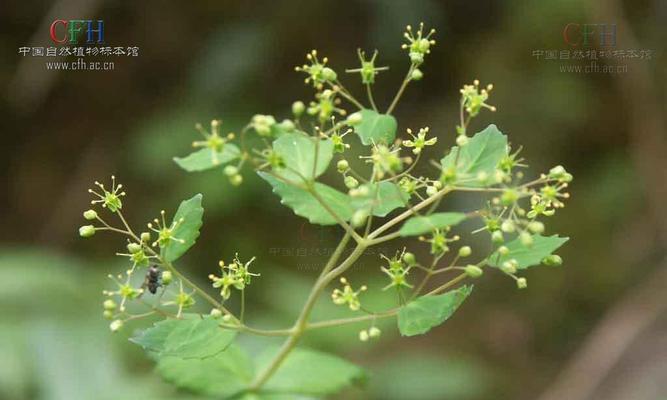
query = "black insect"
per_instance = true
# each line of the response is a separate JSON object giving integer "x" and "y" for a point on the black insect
{"x": 152, "y": 281}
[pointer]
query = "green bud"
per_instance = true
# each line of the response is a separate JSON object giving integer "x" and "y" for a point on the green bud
{"x": 90, "y": 215}
{"x": 497, "y": 237}
{"x": 509, "y": 197}
{"x": 526, "y": 239}
{"x": 508, "y": 226}
{"x": 431, "y": 190}
{"x": 536, "y": 227}
{"x": 416, "y": 74}
{"x": 236, "y": 180}
{"x": 145, "y": 237}
{"x": 503, "y": 250}
{"x": 298, "y": 108}
{"x": 133, "y": 248}
{"x": 329, "y": 74}
{"x": 462, "y": 140}
{"x": 409, "y": 258}
{"x": 509, "y": 267}
{"x": 167, "y": 277}
{"x": 354, "y": 119}
{"x": 227, "y": 317}
{"x": 363, "y": 336}
{"x": 416, "y": 57}
{"x": 342, "y": 166}
{"x": 109, "y": 305}
{"x": 465, "y": 251}
{"x": 116, "y": 325}
{"x": 521, "y": 283}
{"x": 351, "y": 182}
{"x": 552, "y": 260}
{"x": 86, "y": 231}
{"x": 287, "y": 125}
{"x": 473, "y": 271}
{"x": 359, "y": 218}
{"x": 107, "y": 314}
{"x": 374, "y": 332}
{"x": 216, "y": 313}
{"x": 424, "y": 45}
{"x": 231, "y": 170}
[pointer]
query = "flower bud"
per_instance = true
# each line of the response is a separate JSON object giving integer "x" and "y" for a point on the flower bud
{"x": 354, "y": 119}
{"x": 166, "y": 277}
{"x": 329, "y": 74}
{"x": 416, "y": 74}
{"x": 363, "y": 335}
{"x": 351, "y": 182}
{"x": 342, "y": 166}
{"x": 473, "y": 271}
{"x": 416, "y": 57}
{"x": 508, "y": 226}
{"x": 107, "y": 314}
{"x": 231, "y": 170}
{"x": 216, "y": 313}
{"x": 374, "y": 332}
{"x": 358, "y": 218}
{"x": 536, "y": 227}
{"x": 116, "y": 325}
{"x": 145, "y": 237}
{"x": 86, "y": 231}
{"x": 227, "y": 317}
{"x": 462, "y": 140}
{"x": 287, "y": 125}
{"x": 503, "y": 250}
{"x": 409, "y": 258}
{"x": 509, "y": 197}
{"x": 90, "y": 215}
{"x": 133, "y": 248}
{"x": 526, "y": 239}
{"x": 298, "y": 108}
{"x": 509, "y": 267}
{"x": 465, "y": 251}
{"x": 552, "y": 260}
{"x": 497, "y": 237}
{"x": 521, "y": 283}
{"x": 236, "y": 180}
{"x": 109, "y": 305}
{"x": 431, "y": 190}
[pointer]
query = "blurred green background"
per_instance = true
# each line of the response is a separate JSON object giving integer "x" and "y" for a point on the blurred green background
{"x": 592, "y": 329}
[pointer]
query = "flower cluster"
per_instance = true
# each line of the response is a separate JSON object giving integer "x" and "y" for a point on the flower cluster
{"x": 317, "y": 71}
{"x": 418, "y": 44}
{"x": 347, "y": 295}
{"x": 235, "y": 274}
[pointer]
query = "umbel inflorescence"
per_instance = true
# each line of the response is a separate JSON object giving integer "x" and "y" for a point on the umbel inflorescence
{"x": 336, "y": 161}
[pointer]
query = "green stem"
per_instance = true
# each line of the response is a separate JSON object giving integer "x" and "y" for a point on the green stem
{"x": 406, "y": 80}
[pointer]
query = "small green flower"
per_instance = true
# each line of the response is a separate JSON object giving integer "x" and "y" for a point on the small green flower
{"x": 385, "y": 160}
{"x": 419, "y": 141}
{"x": 109, "y": 199}
{"x": 90, "y": 215}
{"x": 418, "y": 44}
{"x": 86, "y": 231}
{"x": 318, "y": 72}
{"x": 368, "y": 70}
{"x": 473, "y": 99}
{"x": 347, "y": 295}
{"x": 165, "y": 232}
{"x": 325, "y": 106}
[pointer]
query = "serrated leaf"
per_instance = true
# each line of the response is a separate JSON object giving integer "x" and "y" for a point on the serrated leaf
{"x": 187, "y": 231}
{"x": 383, "y": 198}
{"x": 376, "y": 127}
{"x": 299, "y": 151}
{"x": 304, "y": 204}
{"x": 223, "y": 375}
{"x": 310, "y": 372}
{"x": 528, "y": 256}
{"x": 420, "y": 225}
{"x": 481, "y": 154}
{"x": 422, "y": 314}
{"x": 204, "y": 159}
{"x": 190, "y": 337}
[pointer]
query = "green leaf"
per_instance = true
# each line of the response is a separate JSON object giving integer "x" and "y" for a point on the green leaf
{"x": 383, "y": 199}
{"x": 481, "y": 154}
{"x": 207, "y": 158}
{"x": 422, "y": 314}
{"x": 422, "y": 225}
{"x": 190, "y": 337}
{"x": 298, "y": 152}
{"x": 528, "y": 256}
{"x": 222, "y": 375}
{"x": 305, "y": 205}
{"x": 310, "y": 372}
{"x": 376, "y": 128}
{"x": 187, "y": 231}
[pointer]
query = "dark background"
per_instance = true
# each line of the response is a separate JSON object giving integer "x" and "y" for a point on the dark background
{"x": 592, "y": 329}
